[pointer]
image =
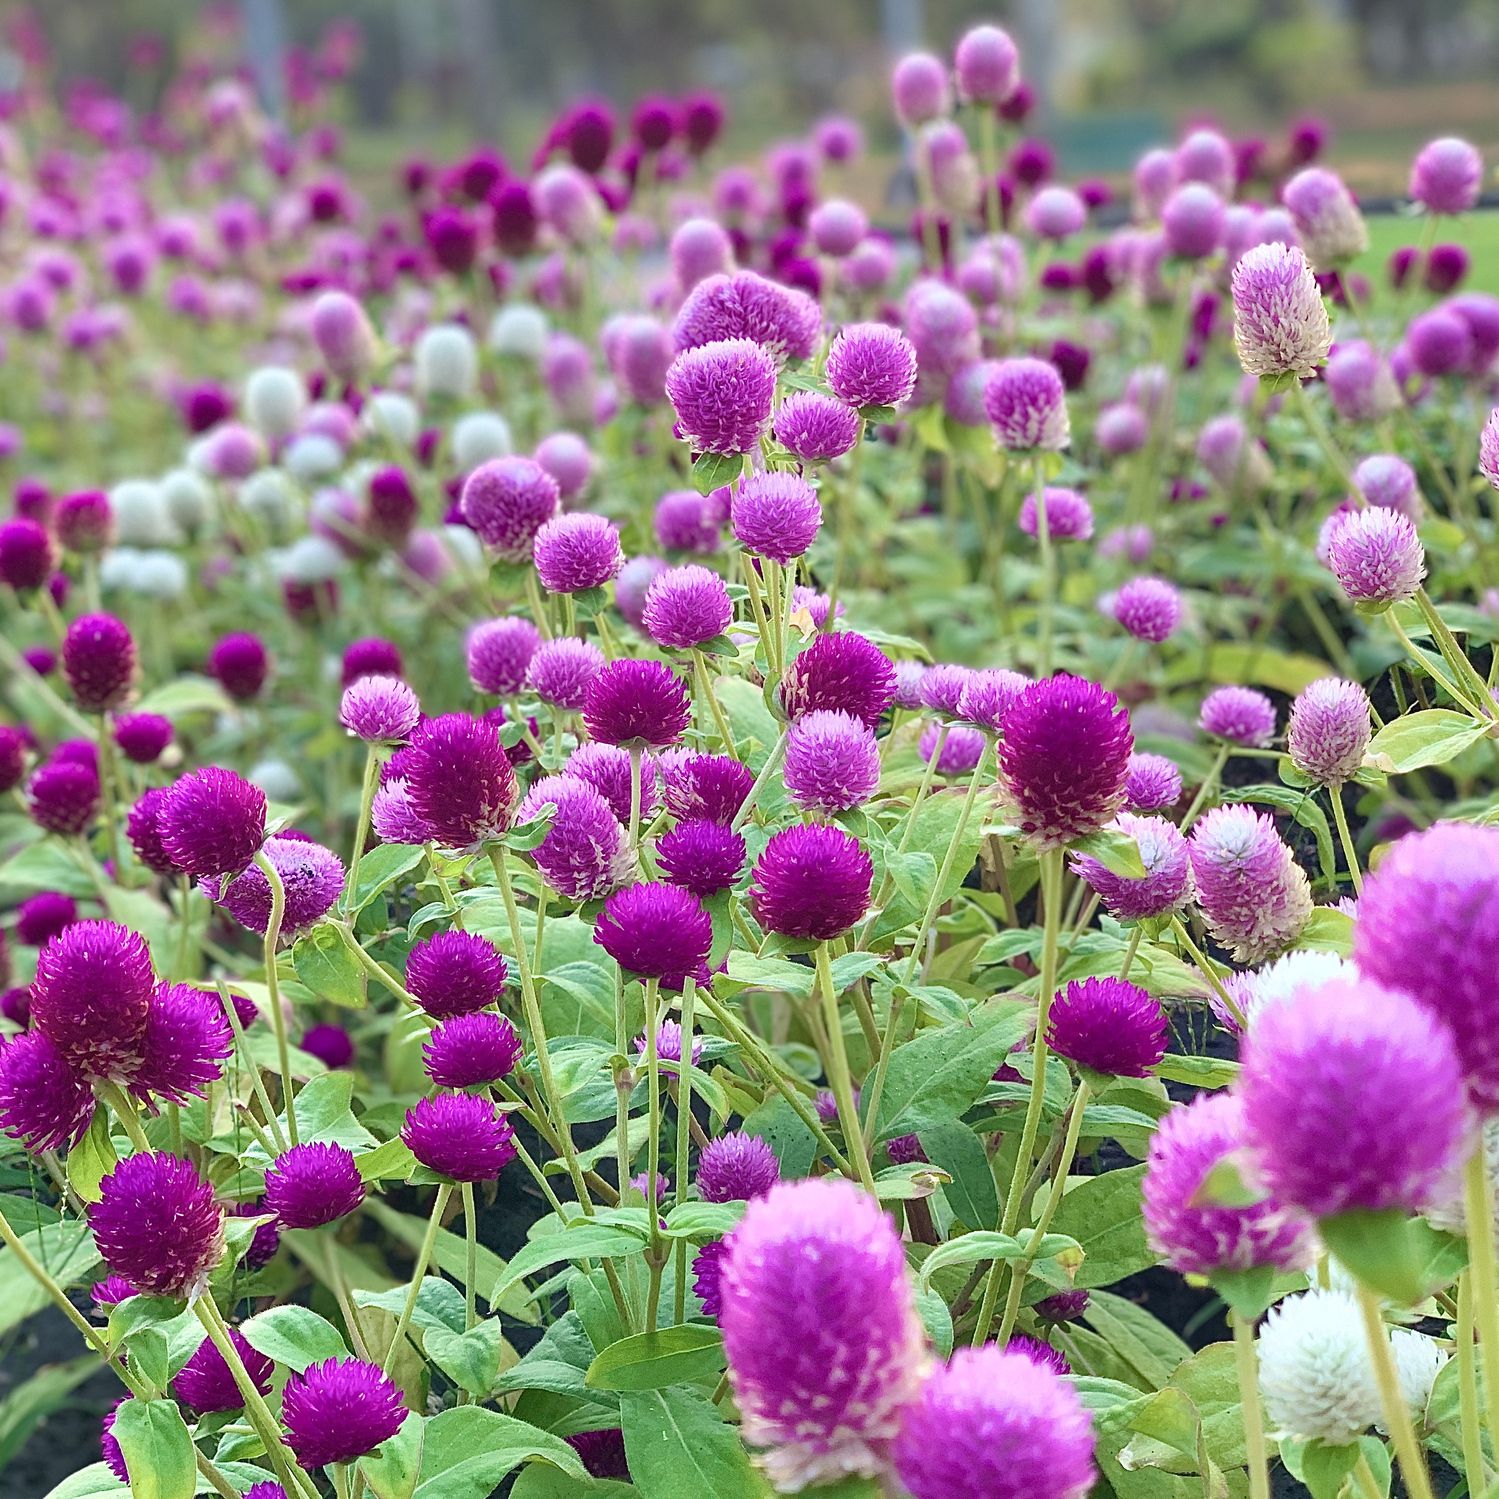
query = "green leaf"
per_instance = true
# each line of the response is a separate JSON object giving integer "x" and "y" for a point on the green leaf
{"x": 157, "y": 1449}
{"x": 748, "y": 971}
{"x": 92, "y": 1158}
{"x": 46, "y": 865}
{"x": 92, "y": 1482}
{"x": 467, "y": 1451}
{"x": 582, "y": 1241}
{"x": 325, "y": 1112}
{"x": 1115, "y": 850}
{"x": 1389, "y": 1252}
{"x": 1103, "y": 1214}
{"x": 1197, "y": 1416}
{"x": 910, "y": 1182}
{"x": 1430, "y": 737}
{"x": 1197, "y": 1072}
{"x": 295, "y": 1336}
{"x": 879, "y": 414}
{"x": 679, "y": 1447}
{"x": 539, "y": 1482}
{"x": 971, "y": 1193}
{"x": 472, "y": 1358}
{"x": 703, "y": 1220}
{"x": 1149, "y": 1346}
{"x": 986, "y": 1244}
{"x": 325, "y": 964}
{"x": 34, "y": 1399}
{"x": 381, "y": 867}
{"x": 1322, "y": 1468}
{"x": 937, "y": 1320}
{"x": 184, "y": 695}
{"x": 713, "y": 470}
{"x": 652, "y": 1360}
{"x": 392, "y": 1470}
{"x": 1247, "y": 1292}
{"x": 392, "y": 1161}
{"x": 64, "y": 1249}
{"x": 148, "y": 1357}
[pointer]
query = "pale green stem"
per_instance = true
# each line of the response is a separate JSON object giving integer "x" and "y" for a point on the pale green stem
{"x": 1209, "y": 784}
{"x": 1205, "y": 966}
{"x": 706, "y": 692}
{"x": 471, "y": 1257}
{"x": 1345, "y": 837}
{"x": 653, "y": 1146}
{"x": 772, "y": 763}
{"x": 684, "y": 1137}
{"x": 423, "y": 1258}
{"x": 273, "y": 987}
{"x": 1467, "y": 1374}
{"x": 1048, "y": 571}
{"x": 257, "y": 1082}
{"x": 124, "y": 1111}
{"x": 1478, "y": 1201}
{"x": 637, "y": 751}
{"x": 362, "y": 829}
{"x": 838, "y": 1072}
{"x": 1396, "y": 1412}
{"x": 1246, "y": 1362}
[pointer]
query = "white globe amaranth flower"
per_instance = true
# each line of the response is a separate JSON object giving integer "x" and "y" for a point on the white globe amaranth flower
{"x": 1418, "y": 1361}
{"x": 478, "y": 437}
{"x": 188, "y": 497}
{"x": 463, "y": 546}
{"x": 198, "y": 455}
{"x": 117, "y": 568}
{"x": 313, "y": 456}
{"x": 309, "y": 559}
{"x": 519, "y": 331}
{"x": 1278, "y": 981}
{"x": 391, "y": 415}
{"x": 277, "y": 779}
{"x": 275, "y": 400}
{"x": 140, "y": 514}
{"x": 271, "y": 497}
{"x": 1449, "y": 1212}
{"x": 447, "y": 361}
{"x": 1316, "y": 1378}
{"x": 159, "y": 574}
{"x": 1281, "y": 325}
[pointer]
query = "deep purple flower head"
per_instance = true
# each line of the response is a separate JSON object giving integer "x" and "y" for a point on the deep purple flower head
{"x": 871, "y": 364}
{"x": 1239, "y": 714}
{"x": 823, "y": 1343}
{"x": 339, "y": 1410}
{"x": 459, "y": 1135}
{"x": 455, "y": 973}
{"x": 1063, "y": 758}
{"x": 1199, "y": 1237}
{"x": 707, "y": 1276}
{"x": 84, "y": 522}
{"x": 507, "y": 501}
{"x": 776, "y": 515}
{"x": 370, "y": 657}
{"x": 736, "y": 1167}
{"x": 1252, "y": 891}
{"x": 840, "y": 671}
{"x": 1043, "y": 1355}
{"x": 471, "y": 1050}
{"x": 1108, "y": 1025}
{"x": 602, "y": 1452}
{"x": 561, "y": 671}
{"x": 142, "y": 736}
{"x": 157, "y": 1224}
{"x": 701, "y": 856}
{"x": 184, "y": 1046}
{"x": 1446, "y": 176}
{"x": 13, "y": 749}
{"x": 1329, "y": 730}
{"x": 783, "y": 321}
{"x": 1064, "y": 1306}
{"x": 987, "y": 696}
{"x": 311, "y": 1184}
{"x": 144, "y": 835}
{"x": 815, "y": 427}
{"x": 459, "y": 780}
{"x": 44, "y": 1103}
{"x": 28, "y": 554}
{"x": 108, "y": 1293}
{"x": 205, "y": 1384}
{"x": 584, "y": 854}
{"x": 1027, "y": 405}
{"x": 812, "y": 882}
{"x": 1069, "y": 516}
{"x": 332, "y": 1045}
{"x": 91, "y": 996}
{"x": 1280, "y": 320}
{"x": 1168, "y": 874}
{"x": 265, "y": 1241}
{"x": 312, "y": 876}
{"x": 379, "y": 710}
{"x": 576, "y": 552}
{"x": 42, "y": 916}
{"x": 688, "y": 522}
{"x": 1153, "y": 783}
{"x": 1148, "y": 608}
{"x": 212, "y": 822}
{"x": 1352, "y": 1098}
{"x": 711, "y": 786}
{"x": 642, "y": 702}
{"x": 1376, "y": 557}
{"x": 832, "y": 761}
{"x": 686, "y": 606}
{"x": 722, "y": 393}
{"x": 655, "y": 931}
{"x": 63, "y": 797}
{"x": 98, "y": 660}
{"x": 240, "y": 665}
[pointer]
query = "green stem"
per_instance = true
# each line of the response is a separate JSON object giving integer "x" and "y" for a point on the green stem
{"x": 874, "y": 1088}
{"x": 637, "y": 751}
{"x": 257, "y": 1082}
{"x": 772, "y": 763}
{"x": 1247, "y": 1364}
{"x": 362, "y": 828}
{"x": 1345, "y": 837}
{"x": 423, "y": 1258}
{"x": 705, "y": 691}
{"x": 1479, "y": 1208}
{"x": 653, "y": 1146}
{"x": 471, "y": 1258}
{"x": 1453, "y": 653}
{"x": 1048, "y": 571}
{"x": 1131, "y": 950}
{"x": 124, "y": 1111}
{"x": 684, "y": 1137}
{"x": 376, "y": 971}
{"x": 1467, "y": 1374}
{"x": 838, "y": 1073}
{"x": 1396, "y": 1411}
{"x": 273, "y": 987}
{"x": 1205, "y": 966}
{"x": 1426, "y": 666}
{"x": 1209, "y": 784}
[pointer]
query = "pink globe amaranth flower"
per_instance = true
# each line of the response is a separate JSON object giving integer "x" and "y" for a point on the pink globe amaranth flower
{"x": 13, "y": 750}
{"x": 1063, "y": 758}
{"x": 1027, "y": 406}
{"x": 455, "y": 973}
{"x": 987, "y": 696}
{"x": 28, "y": 555}
{"x": 668, "y": 1050}
{"x": 1376, "y": 557}
{"x": 507, "y": 501}
{"x": 184, "y": 1046}
{"x": 920, "y": 89}
{"x": 370, "y": 657}
{"x": 91, "y": 996}
{"x": 722, "y": 393}
{"x": 568, "y": 459}
{"x": 332, "y": 1045}
{"x": 1121, "y": 429}
{"x": 44, "y": 1103}
{"x": 343, "y": 334}
{"x": 1239, "y": 714}
{"x": 707, "y": 786}
{"x": 462, "y": 1136}
{"x": 701, "y": 856}
{"x": 1108, "y": 1025}
{"x": 339, "y": 1410}
{"x": 686, "y": 606}
{"x": 1056, "y": 212}
{"x": 562, "y": 670}
{"x": 656, "y": 931}
{"x": 470, "y": 1051}
{"x": 871, "y": 364}
{"x": 142, "y": 736}
{"x": 312, "y": 876}
{"x": 639, "y": 702}
{"x": 108, "y": 1293}
{"x": 1152, "y": 784}
{"x": 1069, "y": 516}
{"x": 459, "y": 780}
{"x": 157, "y": 1224}
{"x": 837, "y": 226}
{"x": 1226, "y": 451}
{"x": 699, "y": 248}
{"x": 1167, "y": 882}
{"x": 1446, "y": 176}
{"x": 841, "y": 671}
{"x": 812, "y": 882}
{"x": 1488, "y": 449}
{"x": 632, "y": 584}
{"x": 391, "y": 816}
{"x": 1206, "y": 155}
{"x": 823, "y": 1342}
{"x": 84, "y": 522}
{"x": 606, "y": 767}
{"x": 987, "y": 64}
{"x": 577, "y": 552}
{"x": 584, "y": 854}
{"x": 1328, "y": 223}
{"x": 1329, "y": 730}
{"x": 1251, "y": 890}
{"x": 958, "y": 747}
{"x": 1480, "y": 311}
{"x": 1148, "y": 608}
{"x": 783, "y": 321}
{"x": 240, "y": 665}
{"x": 639, "y": 352}
{"x": 815, "y": 427}
{"x": 1352, "y": 1099}
{"x": 941, "y": 687}
{"x": 1280, "y": 320}
{"x": 99, "y": 662}
{"x": 1192, "y": 221}
{"x": 1385, "y": 480}
{"x": 943, "y": 328}
{"x": 144, "y": 835}
{"x": 776, "y": 515}
{"x": 736, "y": 1167}
{"x": 1359, "y": 383}
{"x": 707, "y": 1276}
{"x": 41, "y": 917}
{"x": 1426, "y": 926}
{"x": 832, "y": 761}
{"x": 686, "y": 521}
{"x": 205, "y": 1384}
{"x": 311, "y": 1184}
{"x": 1195, "y": 1236}
{"x": 379, "y": 710}
{"x": 1043, "y": 1355}
{"x": 1438, "y": 343}
{"x": 212, "y": 822}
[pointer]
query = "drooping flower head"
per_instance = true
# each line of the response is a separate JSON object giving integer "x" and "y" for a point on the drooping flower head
{"x": 1027, "y": 406}
{"x": 459, "y": 780}
{"x": 1167, "y": 882}
{"x": 91, "y": 996}
{"x": 99, "y": 661}
{"x": 656, "y": 931}
{"x": 642, "y": 702}
{"x": 1108, "y": 1025}
{"x": 212, "y": 822}
{"x": 584, "y": 854}
{"x": 312, "y": 877}
{"x": 1329, "y": 730}
{"x": 455, "y": 973}
{"x": 157, "y": 1224}
{"x": 736, "y": 1167}
{"x": 1252, "y": 891}
{"x": 812, "y": 882}
{"x": 722, "y": 393}
{"x": 842, "y": 671}
{"x": 471, "y": 1050}
{"x": 1280, "y": 320}
{"x": 205, "y": 1384}
{"x": 339, "y": 1410}
{"x": 459, "y": 1135}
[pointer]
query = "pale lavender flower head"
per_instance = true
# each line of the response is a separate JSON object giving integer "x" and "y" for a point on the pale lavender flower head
{"x": 1108, "y": 1025}
{"x": 843, "y": 671}
{"x": 472, "y": 1050}
{"x": 311, "y": 1184}
{"x": 1238, "y": 714}
{"x": 776, "y": 515}
{"x": 577, "y": 552}
{"x": 459, "y": 780}
{"x": 455, "y": 973}
{"x": 1352, "y": 1099}
{"x": 157, "y": 1224}
{"x": 342, "y": 333}
{"x": 987, "y": 696}
{"x": 815, "y": 427}
{"x": 823, "y": 1342}
{"x": 379, "y": 710}
{"x": 1438, "y": 343}
{"x": 462, "y": 1136}
{"x": 391, "y": 816}
{"x": 1329, "y": 730}
{"x": 942, "y": 686}
{"x": 91, "y": 996}
{"x": 1225, "y": 450}
{"x": 669, "y": 1049}
{"x": 1120, "y": 429}
{"x": 736, "y": 1167}
{"x": 1055, "y": 212}
{"x": 1446, "y": 176}
{"x": 1069, "y": 516}
{"x": 782, "y": 320}
{"x": 812, "y": 882}
{"x": 1390, "y": 482}
{"x": 640, "y": 702}
{"x": 568, "y": 459}
{"x": 1206, "y": 155}
{"x": 963, "y": 401}
{"x": 632, "y": 583}
{"x": 962, "y": 747}
{"x": 1328, "y": 223}
{"x": 584, "y": 854}
{"x": 1027, "y": 406}
{"x": 1252, "y": 892}
{"x": 837, "y": 226}
{"x": 606, "y": 767}
{"x": 44, "y": 1103}
{"x": 943, "y": 328}
{"x": 702, "y": 856}
{"x": 205, "y": 1384}
{"x": 700, "y": 248}
{"x": 871, "y": 364}
{"x": 655, "y": 931}
{"x": 499, "y": 651}
{"x": 832, "y": 761}
{"x": 722, "y": 393}
{"x": 339, "y": 1410}
{"x": 507, "y": 501}
{"x": 1192, "y": 220}
{"x": 1149, "y": 609}
{"x": 1167, "y": 882}
{"x": 1153, "y": 783}
{"x": 688, "y": 522}
{"x": 686, "y": 606}
{"x": 1376, "y": 557}
{"x": 919, "y": 88}
{"x": 639, "y": 351}
{"x": 1280, "y": 320}
{"x": 987, "y": 64}
{"x": 312, "y": 876}
{"x": 561, "y": 670}
{"x": 1359, "y": 383}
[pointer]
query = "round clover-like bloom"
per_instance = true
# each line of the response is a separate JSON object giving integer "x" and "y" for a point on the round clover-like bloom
{"x": 1383, "y": 479}
{"x": 339, "y": 1410}
{"x": 812, "y": 882}
{"x": 1329, "y": 730}
{"x": 343, "y": 335}
{"x": 157, "y": 1224}
{"x": 1149, "y": 609}
{"x": 637, "y": 702}
{"x": 1488, "y": 449}
{"x": 1316, "y": 1377}
{"x": 655, "y": 930}
{"x": 1359, "y": 383}
{"x": 1063, "y": 758}
{"x": 44, "y": 1103}
{"x": 185, "y": 1043}
{"x": 28, "y": 554}
{"x": 685, "y": 606}
{"x": 736, "y": 1167}
{"x": 459, "y": 780}
{"x": 576, "y": 552}
{"x": 84, "y": 522}
{"x": 1195, "y": 1236}
{"x": 311, "y": 1184}
{"x": 205, "y": 1384}
{"x": 1280, "y": 320}
{"x": 1027, "y": 406}
{"x": 686, "y": 521}
{"x": 1238, "y": 714}
{"x": 842, "y": 671}
{"x": 1427, "y": 924}
{"x": 1328, "y": 223}
{"x": 958, "y": 747}
{"x": 1069, "y": 516}
{"x": 455, "y": 973}
{"x": 370, "y": 657}
{"x": 745, "y": 307}
{"x": 562, "y": 669}
{"x": 1152, "y": 784}
{"x": 631, "y": 584}
{"x": 987, "y": 696}
{"x": 1438, "y": 343}
{"x": 1167, "y": 883}
{"x": 311, "y": 875}
{"x": 240, "y": 664}
{"x": 43, "y": 915}
{"x": 91, "y": 996}
{"x": 823, "y": 1342}
{"x": 1055, "y": 212}
{"x": 815, "y": 427}
{"x": 379, "y": 710}
{"x": 1039, "y": 1353}
{"x": 722, "y": 393}
{"x": 1446, "y": 176}
{"x": 98, "y": 660}
{"x": 832, "y": 761}
{"x": 919, "y": 88}
{"x": 606, "y": 767}
{"x": 471, "y": 1050}
{"x": 142, "y": 831}
{"x": 462, "y": 1136}
{"x": 997, "y": 1422}
{"x": 1192, "y": 221}
{"x": 702, "y": 856}
{"x": 700, "y": 247}
{"x": 707, "y": 1276}
{"x": 1252, "y": 891}
{"x": 1376, "y": 556}
{"x": 1108, "y": 1025}
{"x": 711, "y": 786}
{"x": 871, "y": 364}
{"x": 142, "y": 736}
{"x": 1353, "y": 1099}
{"x": 212, "y": 822}
{"x": 507, "y": 501}
{"x": 584, "y": 854}
{"x": 669, "y": 1049}
{"x": 776, "y": 515}
{"x": 63, "y": 797}
{"x": 987, "y": 64}
{"x": 13, "y": 749}
{"x": 1256, "y": 989}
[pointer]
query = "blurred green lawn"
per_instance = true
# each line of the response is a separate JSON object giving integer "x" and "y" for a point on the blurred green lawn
{"x": 1478, "y": 233}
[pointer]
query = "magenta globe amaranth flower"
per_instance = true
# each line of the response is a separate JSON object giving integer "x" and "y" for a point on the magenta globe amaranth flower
{"x": 1108, "y": 1025}
{"x": 1167, "y": 882}
{"x": 1152, "y": 784}
{"x": 576, "y": 552}
{"x": 745, "y": 307}
{"x": 722, "y": 393}
{"x": 459, "y": 781}
{"x": 13, "y": 751}
{"x": 1329, "y": 730}
{"x": 832, "y": 761}
{"x": 44, "y": 1103}
{"x": 606, "y": 767}
{"x": 812, "y": 882}
{"x": 1238, "y": 714}
{"x": 736, "y": 1167}
{"x": 342, "y": 333}
{"x": 871, "y": 364}
{"x": 240, "y": 665}
{"x": 1359, "y": 383}
{"x": 1252, "y": 892}
{"x": 1027, "y": 406}
{"x": 455, "y": 973}
{"x": 957, "y": 747}
{"x": 507, "y": 501}
{"x": 701, "y": 856}
{"x": 1149, "y": 609}
{"x": 842, "y": 671}
{"x": 987, "y": 696}
{"x": 1376, "y": 557}
{"x": 142, "y": 831}
{"x": 637, "y": 702}
{"x": 206, "y": 1385}
{"x": 212, "y": 822}
{"x": 583, "y": 855}
{"x": 987, "y": 64}
{"x": 142, "y": 736}
{"x": 1069, "y": 516}
{"x": 658, "y": 931}
{"x": 1192, "y": 221}
{"x": 919, "y": 88}
{"x": 379, "y": 710}
{"x": 707, "y": 1276}
{"x": 63, "y": 797}
{"x": 776, "y": 515}
{"x": 98, "y": 660}
{"x": 815, "y": 427}
{"x": 462, "y": 1136}
{"x": 686, "y": 606}
{"x": 823, "y": 1343}
{"x": 472, "y": 1050}
{"x": 1446, "y": 176}
{"x": 561, "y": 671}
{"x": 1438, "y": 343}
{"x": 311, "y": 1184}
{"x": 339, "y": 1410}
{"x": 686, "y": 521}
{"x": 42, "y": 916}
{"x": 1280, "y": 320}
{"x": 708, "y": 786}
{"x": 91, "y": 996}
{"x": 312, "y": 878}
{"x": 157, "y": 1224}
{"x": 28, "y": 554}
{"x": 184, "y": 1046}
{"x": 373, "y": 656}
{"x": 994, "y": 1421}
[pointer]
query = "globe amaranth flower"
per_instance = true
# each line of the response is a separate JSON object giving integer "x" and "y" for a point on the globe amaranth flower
{"x": 584, "y": 854}
{"x": 1069, "y": 517}
{"x": 206, "y": 1385}
{"x": 987, "y": 696}
{"x": 499, "y": 651}
{"x": 379, "y": 710}
{"x": 331, "y": 1044}
{"x": 1192, "y": 221}
{"x": 871, "y": 364}
{"x": 28, "y": 554}
{"x": 13, "y": 749}
{"x": 742, "y": 307}
{"x": 1108, "y": 1025}
{"x": 1252, "y": 892}
{"x": 44, "y": 1103}
{"x": 602, "y": 1452}
{"x": 84, "y": 522}
{"x": 669, "y": 1051}
{"x": 63, "y": 797}
{"x": 702, "y": 856}
{"x": 455, "y": 973}
{"x": 1316, "y": 1377}
{"x": 142, "y": 736}
{"x": 815, "y": 427}
{"x": 312, "y": 877}
{"x": 987, "y": 65}
{"x": 1376, "y": 557}
{"x": 657, "y": 930}
{"x": 577, "y": 552}
{"x": 823, "y": 1343}
{"x": 776, "y": 515}
{"x": 108, "y": 1293}
{"x": 722, "y": 393}
{"x": 1257, "y": 989}
{"x": 1041, "y": 1354}
{"x": 184, "y": 1045}
{"x": 1194, "y": 1235}
{"x": 1238, "y": 714}
{"x": 1446, "y": 176}
{"x": 832, "y": 761}
{"x": 696, "y": 785}
{"x": 1027, "y": 406}
{"x": 686, "y": 606}
{"x": 1328, "y": 223}
{"x": 1167, "y": 882}
{"x": 1149, "y": 609}
{"x": 462, "y": 1136}
{"x": 1153, "y": 783}
{"x": 562, "y": 669}
{"x": 1384, "y": 479}
{"x": 1055, "y": 212}
{"x": 1359, "y": 383}
{"x": 997, "y": 1422}
{"x": 240, "y": 665}
{"x": 606, "y": 767}
{"x": 311, "y": 1184}
{"x": 958, "y": 748}
{"x": 471, "y": 1050}
{"x": 507, "y": 501}
{"x": 42, "y": 916}
{"x": 811, "y": 882}
{"x": 639, "y": 702}
{"x": 1063, "y": 757}
{"x": 91, "y": 996}
{"x": 212, "y": 822}
{"x": 919, "y": 88}
{"x": 842, "y": 671}
{"x": 459, "y": 780}
{"x": 370, "y": 657}
{"x": 686, "y": 521}
{"x": 99, "y": 661}
{"x": 157, "y": 1224}
{"x": 144, "y": 835}
{"x": 339, "y": 1410}
{"x": 1329, "y": 730}
{"x": 631, "y": 585}
{"x": 1280, "y": 320}
{"x": 736, "y": 1167}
